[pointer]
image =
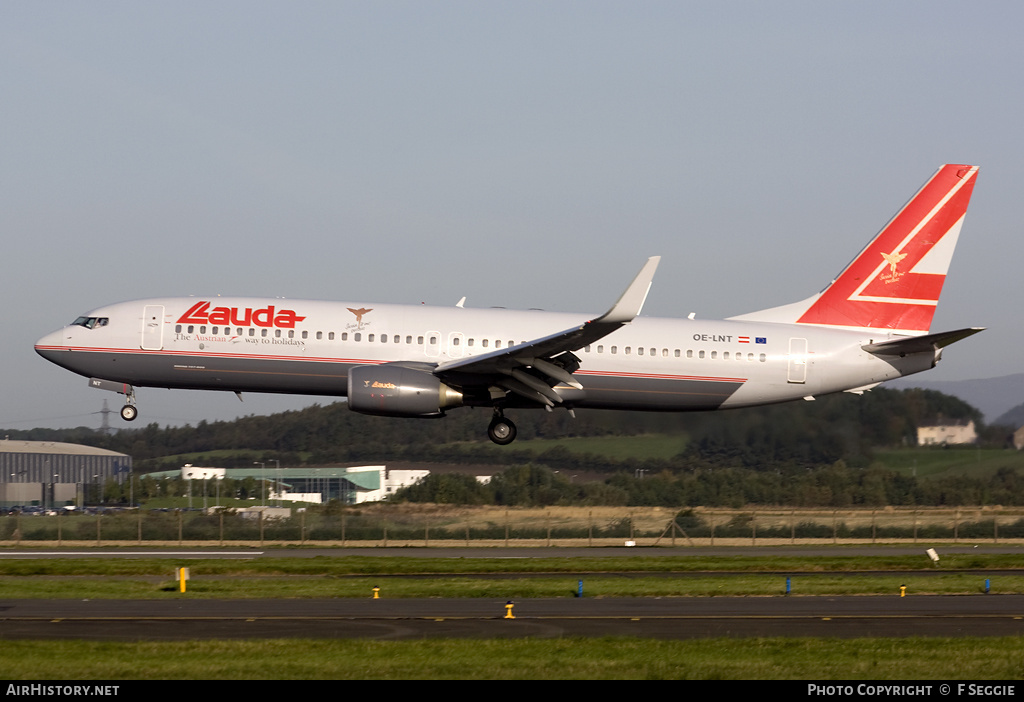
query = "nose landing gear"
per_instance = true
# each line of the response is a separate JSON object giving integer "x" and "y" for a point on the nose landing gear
{"x": 129, "y": 413}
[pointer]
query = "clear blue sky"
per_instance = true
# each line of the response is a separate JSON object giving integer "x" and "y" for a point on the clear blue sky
{"x": 524, "y": 154}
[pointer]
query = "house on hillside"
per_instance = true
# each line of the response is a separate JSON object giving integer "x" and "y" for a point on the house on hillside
{"x": 947, "y": 431}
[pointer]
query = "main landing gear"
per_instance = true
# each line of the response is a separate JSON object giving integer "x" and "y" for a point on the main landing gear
{"x": 501, "y": 430}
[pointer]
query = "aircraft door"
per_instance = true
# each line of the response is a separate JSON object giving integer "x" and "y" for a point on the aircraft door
{"x": 797, "y": 370}
{"x": 153, "y": 327}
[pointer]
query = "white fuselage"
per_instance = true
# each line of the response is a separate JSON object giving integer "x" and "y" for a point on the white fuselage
{"x": 308, "y": 347}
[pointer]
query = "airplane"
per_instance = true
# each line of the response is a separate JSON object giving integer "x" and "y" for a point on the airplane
{"x": 869, "y": 325}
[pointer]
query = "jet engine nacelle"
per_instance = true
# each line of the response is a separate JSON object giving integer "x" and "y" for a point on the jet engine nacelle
{"x": 399, "y": 390}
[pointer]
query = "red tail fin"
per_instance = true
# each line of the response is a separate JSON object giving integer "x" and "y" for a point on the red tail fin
{"x": 895, "y": 282}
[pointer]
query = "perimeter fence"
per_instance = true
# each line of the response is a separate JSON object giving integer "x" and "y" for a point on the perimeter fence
{"x": 386, "y": 526}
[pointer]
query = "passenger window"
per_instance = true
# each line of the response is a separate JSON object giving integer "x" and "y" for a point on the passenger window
{"x": 483, "y": 343}
{"x": 357, "y": 337}
{"x": 319, "y": 335}
{"x": 330, "y": 336}
{"x": 613, "y": 349}
{"x": 408, "y": 339}
{"x": 700, "y": 354}
{"x": 677, "y": 353}
{"x": 369, "y": 337}
{"x": 763, "y": 358}
{"x": 639, "y": 350}
{"x": 600, "y": 349}
{"x": 177, "y": 329}
{"x": 419, "y": 340}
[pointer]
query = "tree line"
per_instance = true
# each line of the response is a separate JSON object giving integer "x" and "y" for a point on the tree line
{"x": 837, "y": 486}
{"x": 817, "y": 453}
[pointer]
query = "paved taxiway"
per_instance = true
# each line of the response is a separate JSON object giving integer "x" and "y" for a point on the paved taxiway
{"x": 668, "y": 618}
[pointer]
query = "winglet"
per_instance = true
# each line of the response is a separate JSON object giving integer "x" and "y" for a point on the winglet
{"x": 632, "y": 300}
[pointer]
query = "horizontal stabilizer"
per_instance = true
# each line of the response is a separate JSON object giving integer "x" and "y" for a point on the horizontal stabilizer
{"x": 919, "y": 344}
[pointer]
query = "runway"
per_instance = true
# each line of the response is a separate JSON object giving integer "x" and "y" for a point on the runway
{"x": 397, "y": 619}
{"x": 510, "y": 552}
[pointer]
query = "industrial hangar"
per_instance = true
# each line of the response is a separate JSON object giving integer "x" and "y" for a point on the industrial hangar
{"x": 53, "y": 474}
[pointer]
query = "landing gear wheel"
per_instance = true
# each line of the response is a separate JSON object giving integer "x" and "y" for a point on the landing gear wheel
{"x": 129, "y": 413}
{"x": 501, "y": 431}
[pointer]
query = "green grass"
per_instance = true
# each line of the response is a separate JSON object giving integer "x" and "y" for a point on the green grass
{"x": 355, "y": 576}
{"x": 936, "y": 462}
{"x": 613, "y": 447}
{"x": 498, "y": 658}
{"x": 385, "y": 565}
{"x": 213, "y": 587}
{"x": 605, "y": 658}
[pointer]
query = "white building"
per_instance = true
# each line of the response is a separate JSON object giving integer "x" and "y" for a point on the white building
{"x": 948, "y": 431}
{"x": 353, "y": 485}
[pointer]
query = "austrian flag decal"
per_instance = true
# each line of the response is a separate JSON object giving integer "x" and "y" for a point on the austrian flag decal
{"x": 200, "y": 313}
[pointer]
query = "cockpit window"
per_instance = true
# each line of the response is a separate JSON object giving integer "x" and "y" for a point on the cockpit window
{"x": 91, "y": 322}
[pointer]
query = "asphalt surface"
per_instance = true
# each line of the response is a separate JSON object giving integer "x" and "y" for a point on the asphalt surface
{"x": 397, "y": 619}
{"x": 665, "y": 618}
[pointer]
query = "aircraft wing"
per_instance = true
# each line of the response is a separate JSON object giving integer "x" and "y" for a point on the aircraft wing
{"x": 531, "y": 369}
{"x": 918, "y": 344}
